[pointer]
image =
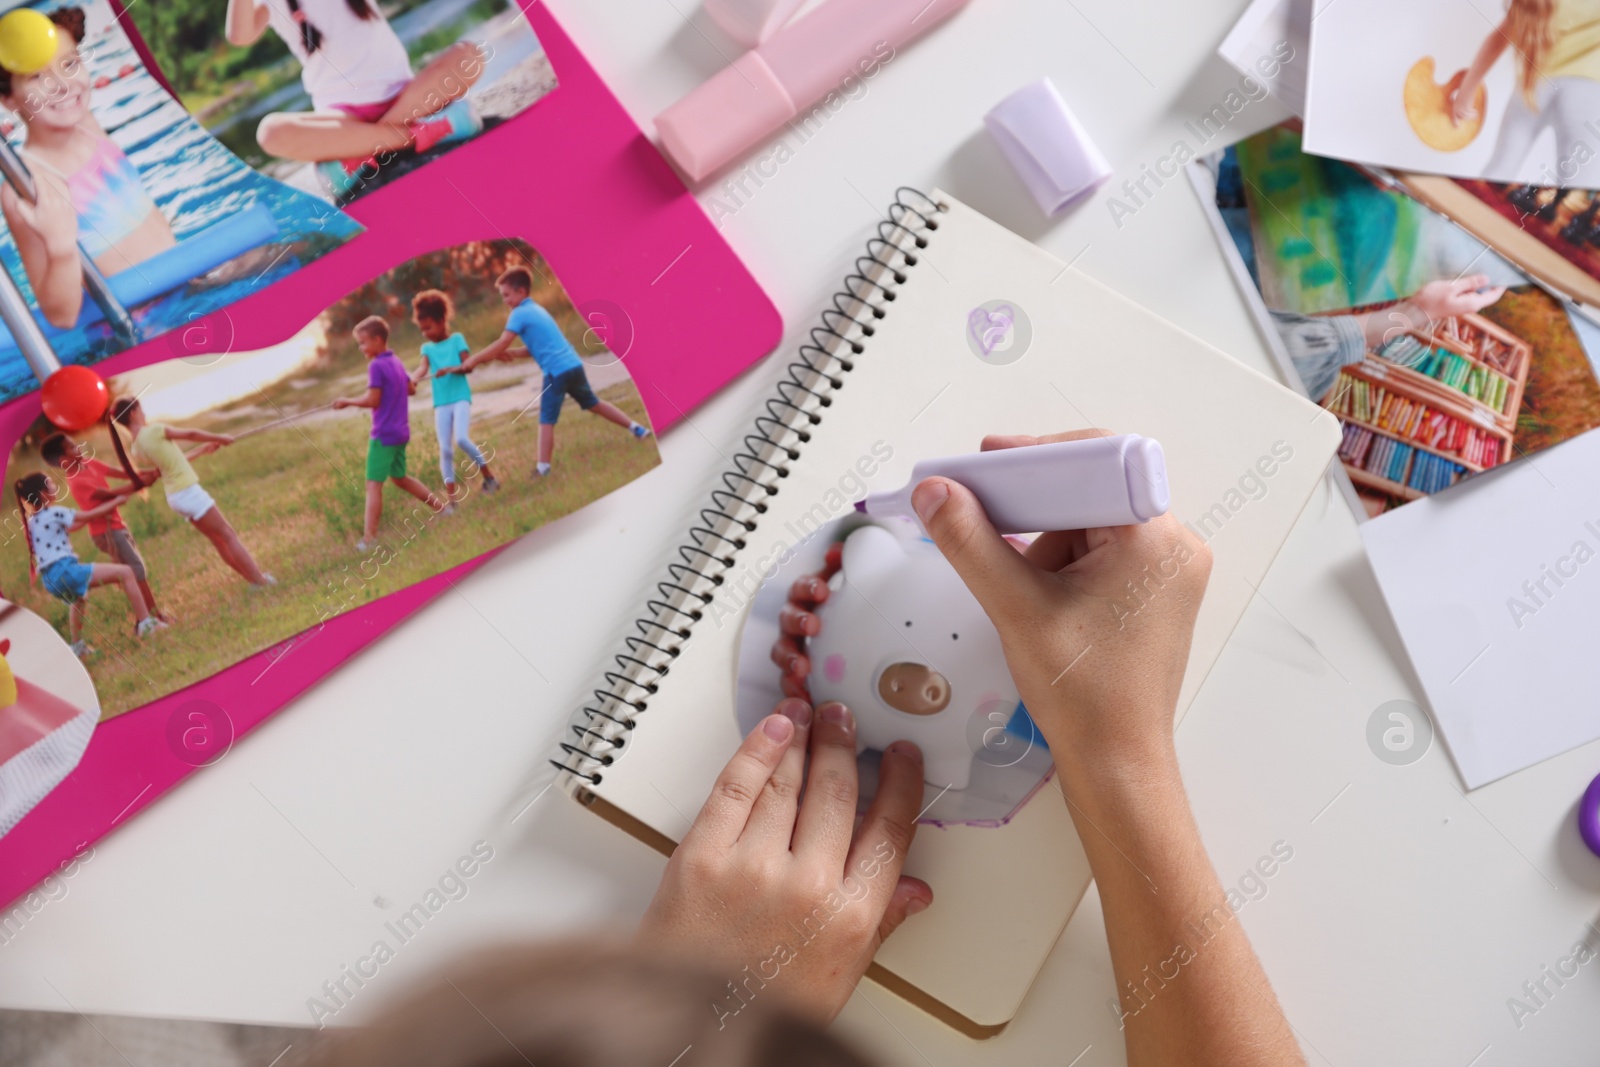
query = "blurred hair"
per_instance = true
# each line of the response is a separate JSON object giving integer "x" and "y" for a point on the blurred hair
{"x": 518, "y": 277}
{"x": 29, "y": 491}
{"x": 432, "y": 304}
{"x": 118, "y": 414}
{"x": 122, "y": 408}
{"x": 1531, "y": 30}
{"x": 310, "y": 36}
{"x": 580, "y": 1004}
{"x": 53, "y": 449}
{"x": 373, "y": 326}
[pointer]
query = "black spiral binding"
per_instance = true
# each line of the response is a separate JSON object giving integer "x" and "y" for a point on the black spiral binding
{"x": 600, "y": 727}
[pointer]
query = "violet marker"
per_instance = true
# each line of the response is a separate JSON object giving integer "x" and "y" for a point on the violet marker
{"x": 1064, "y": 485}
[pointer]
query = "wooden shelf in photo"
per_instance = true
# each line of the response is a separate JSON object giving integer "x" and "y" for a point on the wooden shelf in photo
{"x": 1505, "y": 414}
{"x": 1433, "y": 395}
{"x": 1382, "y": 484}
{"x": 1418, "y": 445}
{"x": 1483, "y": 345}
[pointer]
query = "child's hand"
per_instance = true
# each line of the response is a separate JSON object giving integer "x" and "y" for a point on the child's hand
{"x": 1445, "y": 297}
{"x": 786, "y": 888}
{"x": 1459, "y": 104}
{"x": 1095, "y": 623}
{"x": 52, "y": 216}
{"x": 223, "y": 439}
{"x": 798, "y": 621}
{"x": 341, "y": 402}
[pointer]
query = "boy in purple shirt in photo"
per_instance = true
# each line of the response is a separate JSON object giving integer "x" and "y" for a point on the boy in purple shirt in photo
{"x": 388, "y": 394}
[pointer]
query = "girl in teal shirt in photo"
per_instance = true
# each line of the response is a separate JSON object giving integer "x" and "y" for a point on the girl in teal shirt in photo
{"x": 432, "y": 310}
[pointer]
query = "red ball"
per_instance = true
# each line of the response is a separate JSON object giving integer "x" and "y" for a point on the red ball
{"x": 74, "y": 398}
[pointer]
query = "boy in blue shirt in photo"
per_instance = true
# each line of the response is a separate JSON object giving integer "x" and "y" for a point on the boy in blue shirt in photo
{"x": 563, "y": 371}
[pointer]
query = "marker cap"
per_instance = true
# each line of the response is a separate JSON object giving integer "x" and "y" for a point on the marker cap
{"x": 740, "y": 105}
{"x": 1146, "y": 467}
{"x": 1044, "y": 142}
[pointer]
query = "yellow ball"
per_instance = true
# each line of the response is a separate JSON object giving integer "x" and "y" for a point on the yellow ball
{"x": 27, "y": 41}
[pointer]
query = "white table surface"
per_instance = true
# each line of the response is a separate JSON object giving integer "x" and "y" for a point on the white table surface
{"x": 1407, "y": 917}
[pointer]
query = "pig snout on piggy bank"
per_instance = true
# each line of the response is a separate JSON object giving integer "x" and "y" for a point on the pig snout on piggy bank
{"x": 914, "y": 688}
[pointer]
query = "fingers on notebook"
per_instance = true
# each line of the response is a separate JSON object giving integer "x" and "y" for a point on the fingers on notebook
{"x": 828, "y": 814}
{"x": 772, "y": 820}
{"x": 727, "y": 810}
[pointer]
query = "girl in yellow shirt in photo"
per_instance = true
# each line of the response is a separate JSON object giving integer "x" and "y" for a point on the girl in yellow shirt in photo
{"x": 155, "y": 444}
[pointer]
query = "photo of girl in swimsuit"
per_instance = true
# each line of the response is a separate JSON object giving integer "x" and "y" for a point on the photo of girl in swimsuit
{"x": 113, "y": 178}
{"x": 88, "y": 191}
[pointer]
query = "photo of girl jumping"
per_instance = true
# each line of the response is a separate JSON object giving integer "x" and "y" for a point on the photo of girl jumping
{"x": 1556, "y": 51}
{"x": 154, "y": 444}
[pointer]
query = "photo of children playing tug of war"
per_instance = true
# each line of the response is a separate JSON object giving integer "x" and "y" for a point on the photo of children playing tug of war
{"x": 341, "y": 96}
{"x": 452, "y": 405}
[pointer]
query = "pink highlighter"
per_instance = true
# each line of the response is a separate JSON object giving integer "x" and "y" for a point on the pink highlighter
{"x": 793, "y": 69}
{"x": 1064, "y": 485}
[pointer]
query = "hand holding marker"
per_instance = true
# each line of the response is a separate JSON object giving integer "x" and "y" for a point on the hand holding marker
{"x": 1065, "y": 485}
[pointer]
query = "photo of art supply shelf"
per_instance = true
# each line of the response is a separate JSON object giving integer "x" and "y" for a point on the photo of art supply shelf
{"x": 1427, "y": 408}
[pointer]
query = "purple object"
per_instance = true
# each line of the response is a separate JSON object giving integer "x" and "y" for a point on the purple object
{"x": 391, "y": 423}
{"x": 1044, "y": 142}
{"x": 1589, "y": 816}
{"x": 1063, "y": 485}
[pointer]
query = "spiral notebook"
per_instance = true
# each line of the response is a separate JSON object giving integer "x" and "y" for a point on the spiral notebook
{"x": 901, "y": 359}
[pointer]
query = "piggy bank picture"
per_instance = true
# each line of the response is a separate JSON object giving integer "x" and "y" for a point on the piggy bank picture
{"x": 906, "y": 647}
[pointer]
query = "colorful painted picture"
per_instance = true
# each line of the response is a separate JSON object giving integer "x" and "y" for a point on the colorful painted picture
{"x": 1506, "y": 91}
{"x": 1440, "y": 358}
{"x": 230, "y": 503}
{"x": 339, "y": 97}
{"x": 111, "y": 179}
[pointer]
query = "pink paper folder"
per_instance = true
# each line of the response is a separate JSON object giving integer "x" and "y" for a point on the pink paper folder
{"x": 574, "y": 176}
